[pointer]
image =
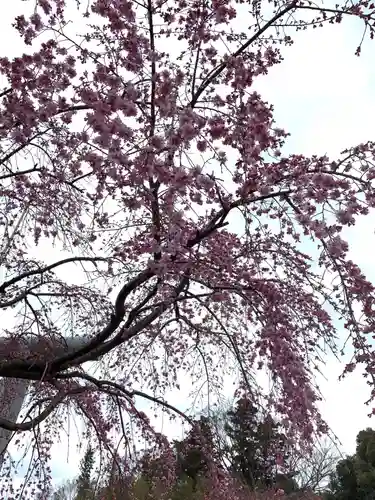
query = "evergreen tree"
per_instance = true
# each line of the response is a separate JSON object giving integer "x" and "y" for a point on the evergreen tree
{"x": 354, "y": 478}
{"x": 255, "y": 443}
{"x": 195, "y": 452}
{"x": 84, "y": 489}
{"x": 249, "y": 446}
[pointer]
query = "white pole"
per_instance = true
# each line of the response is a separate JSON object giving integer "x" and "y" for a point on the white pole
{"x": 13, "y": 390}
{"x": 12, "y": 394}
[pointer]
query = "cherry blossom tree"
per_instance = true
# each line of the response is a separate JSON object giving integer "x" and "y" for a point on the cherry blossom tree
{"x": 133, "y": 143}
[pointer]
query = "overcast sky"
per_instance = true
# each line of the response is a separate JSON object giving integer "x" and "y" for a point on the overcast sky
{"x": 324, "y": 96}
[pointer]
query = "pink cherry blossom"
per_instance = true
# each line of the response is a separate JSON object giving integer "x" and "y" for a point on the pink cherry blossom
{"x": 133, "y": 141}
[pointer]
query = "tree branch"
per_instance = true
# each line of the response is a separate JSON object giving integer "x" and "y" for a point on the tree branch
{"x": 27, "y": 426}
{"x": 45, "y": 269}
{"x": 221, "y": 67}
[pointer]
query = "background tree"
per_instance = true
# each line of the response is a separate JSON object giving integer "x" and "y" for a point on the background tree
{"x": 123, "y": 487}
{"x": 242, "y": 440}
{"x": 315, "y": 466}
{"x": 84, "y": 487}
{"x": 355, "y": 475}
{"x": 195, "y": 455}
{"x": 135, "y": 151}
{"x": 197, "y": 451}
{"x": 66, "y": 491}
{"x": 255, "y": 443}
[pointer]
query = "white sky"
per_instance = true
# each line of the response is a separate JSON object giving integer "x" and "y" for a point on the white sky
{"x": 324, "y": 96}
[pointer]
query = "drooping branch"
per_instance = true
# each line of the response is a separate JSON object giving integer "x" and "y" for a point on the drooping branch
{"x": 45, "y": 269}
{"x": 102, "y": 384}
{"x": 34, "y": 422}
{"x": 99, "y": 345}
